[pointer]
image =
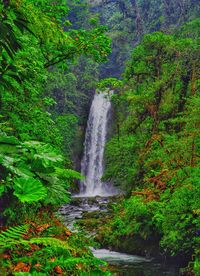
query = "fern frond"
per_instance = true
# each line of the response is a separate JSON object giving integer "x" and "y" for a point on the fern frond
{"x": 52, "y": 242}
{"x": 13, "y": 236}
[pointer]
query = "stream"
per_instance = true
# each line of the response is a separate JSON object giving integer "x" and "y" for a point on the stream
{"x": 123, "y": 264}
{"x": 91, "y": 207}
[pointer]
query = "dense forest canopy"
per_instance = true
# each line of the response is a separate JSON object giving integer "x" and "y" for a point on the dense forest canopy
{"x": 158, "y": 141}
{"x": 53, "y": 56}
{"x": 35, "y": 146}
{"x": 129, "y": 20}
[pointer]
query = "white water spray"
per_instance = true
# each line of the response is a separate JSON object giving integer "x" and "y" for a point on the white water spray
{"x": 96, "y": 133}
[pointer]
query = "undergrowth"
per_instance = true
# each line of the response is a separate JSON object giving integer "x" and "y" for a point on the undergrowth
{"x": 46, "y": 247}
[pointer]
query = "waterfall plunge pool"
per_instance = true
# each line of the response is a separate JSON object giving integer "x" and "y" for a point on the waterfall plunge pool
{"x": 122, "y": 264}
{"x": 86, "y": 209}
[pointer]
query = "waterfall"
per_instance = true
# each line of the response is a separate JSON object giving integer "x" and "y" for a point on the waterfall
{"x": 92, "y": 166}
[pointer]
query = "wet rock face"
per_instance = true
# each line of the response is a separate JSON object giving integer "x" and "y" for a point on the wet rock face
{"x": 87, "y": 212}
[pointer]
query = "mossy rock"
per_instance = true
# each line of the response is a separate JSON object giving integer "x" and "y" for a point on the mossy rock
{"x": 94, "y": 214}
{"x": 89, "y": 224}
{"x": 132, "y": 245}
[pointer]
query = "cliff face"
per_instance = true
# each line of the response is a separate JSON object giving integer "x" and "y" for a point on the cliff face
{"x": 129, "y": 20}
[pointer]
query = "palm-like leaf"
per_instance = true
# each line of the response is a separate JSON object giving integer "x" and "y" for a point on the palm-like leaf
{"x": 43, "y": 154}
{"x": 9, "y": 45}
{"x": 29, "y": 189}
{"x": 68, "y": 174}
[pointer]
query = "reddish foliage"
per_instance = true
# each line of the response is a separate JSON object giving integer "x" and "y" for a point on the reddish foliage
{"x": 38, "y": 265}
{"x": 57, "y": 222}
{"x": 34, "y": 247}
{"x": 4, "y": 256}
{"x": 79, "y": 266}
{"x": 22, "y": 267}
{"x": 155, "y": 137}
{"x": 38, "y": 228}
{"x": 58, "y": 270}
{"x": 42, "y": 227}
{"x": 148, "y": 194}
{"x": 26, "y": 237}
{"x": 158, "y": 181}
{"x": 18, "y": 252}
{"x": 68, "y": 233}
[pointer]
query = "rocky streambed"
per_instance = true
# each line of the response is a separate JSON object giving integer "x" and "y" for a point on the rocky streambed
{"x": 90, "y": 214}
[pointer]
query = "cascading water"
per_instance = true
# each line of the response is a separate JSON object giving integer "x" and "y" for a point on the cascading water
{"x": 95, "y": 198}
{"x": 92, "y": 163}
{"x": 93, "y": 204}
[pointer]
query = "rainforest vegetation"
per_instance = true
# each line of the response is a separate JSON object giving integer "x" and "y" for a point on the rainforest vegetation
{"x": 53, "y": 56}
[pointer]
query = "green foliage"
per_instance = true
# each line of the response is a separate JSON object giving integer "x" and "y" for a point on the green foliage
{"x": 134, "y": 218}
{"x": 154, "y": 152}
{"x": 40, "y": 108}
{"x": 181, "y": 220}
{"x": 129, "y": 20}
{"x": 29, "y": 189}
{"x": 46, "y": 254}
{"x": 43, "y": 43}
{"x": 174, "y": 219}
{"x": 32, "y": 39}
{"x": 49, "y": 8}
{"x": 46, "y": 85}
{"x": 32, "y": 172}
{"x": 195, "y": 266}
{"x": 120, "y": 161}
{"x": 112, "y": 83}
{"x": 67, "y": 124}
{"x": 52, "y": 242}
{"x": 12, "y": 236}
{"x": 157, "y": 90}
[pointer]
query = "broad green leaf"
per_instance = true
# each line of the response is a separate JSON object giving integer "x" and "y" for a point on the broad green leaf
{"x": 23, "y": 170}
{"x": 9, "y": 140}
{"x": 44, "y": 153}
{"x": 2, "y": 189}
{"x": 57, "y": 193}
{"x": 68, "y": 174}
{"x": 29, "y": 189}
{"x": 8, "y": 148}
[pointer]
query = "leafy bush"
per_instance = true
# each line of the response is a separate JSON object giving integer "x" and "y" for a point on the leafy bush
{"x": 181, "y": 220}
{"x": 32, "y": 172}
{"x": 155, "y": 149}
{"x": 121, "y": 165}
